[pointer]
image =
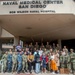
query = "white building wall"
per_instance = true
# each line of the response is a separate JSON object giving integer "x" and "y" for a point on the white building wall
{"x": 6, "y": 34}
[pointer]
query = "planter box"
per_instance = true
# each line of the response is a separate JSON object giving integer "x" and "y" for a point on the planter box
{"x": 64, "y": 71}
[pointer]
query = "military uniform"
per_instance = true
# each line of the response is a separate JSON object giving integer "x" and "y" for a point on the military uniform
{"x": 24, "y": 63}
{"x": 62, "y": 61}
{"x": 47, "y": 47}
{"x": 66, "y": 61}
{"x": 14, "y": 62}
{"x": 72, "y": 60}
{"x": 4, "y": 61}
{"x": 37, "y": 46}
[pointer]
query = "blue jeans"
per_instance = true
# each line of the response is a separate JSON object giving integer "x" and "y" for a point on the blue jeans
{"x": 19, "y": 67}
{"x": 9, "y": 66}
{"x": 37, "y": 67}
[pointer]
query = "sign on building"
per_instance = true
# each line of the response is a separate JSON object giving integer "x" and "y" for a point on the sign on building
{"x": 36, "y": 7}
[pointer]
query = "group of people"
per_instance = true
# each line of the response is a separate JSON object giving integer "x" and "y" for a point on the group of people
{"x": 38, "y": 59}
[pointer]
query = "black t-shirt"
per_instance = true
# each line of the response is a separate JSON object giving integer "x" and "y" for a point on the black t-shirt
{"x": 37, "y": 58}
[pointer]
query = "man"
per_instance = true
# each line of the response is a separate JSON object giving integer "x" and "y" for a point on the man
{"x": 65, "y": 49}
{"x": 54, "y": 47}
{"x": 4, "y": 58}
{"x": 47, "y": 46}
{"x": 19, "y": 60}
{"x": 42, "y": 46}
{"x": 24, "y": 63}
{"x": 14, "y": 61}
{"x": 9, "y": 61}
{"x": 72, "y": 60}
{"x": 37, "y": 63}
{"x": 19, "y": 47}
{"x": 67, "y": 61}
{"x": 31, "y": 47}
{"x": 62, "y": 65}
{"x": 27, "y": 51}
{"x": 36, "y": 45}
{"x": 57, "y": 47}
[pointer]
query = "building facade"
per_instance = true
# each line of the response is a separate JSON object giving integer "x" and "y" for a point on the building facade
{"x": 34, "y": 20}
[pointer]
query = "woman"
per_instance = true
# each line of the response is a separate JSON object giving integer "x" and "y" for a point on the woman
{"x": 53, "y": 63}
{"x": 57, "y": 59}
{"x": 30, "y": 61}
{"x": 47, "y": 62}
{"x": 43, "y": 62}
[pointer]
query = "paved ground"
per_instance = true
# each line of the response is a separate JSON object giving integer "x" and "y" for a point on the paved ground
{"x": 32, "y": 74}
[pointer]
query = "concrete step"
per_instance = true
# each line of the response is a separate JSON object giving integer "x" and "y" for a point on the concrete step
{"x": 32, "y": 74}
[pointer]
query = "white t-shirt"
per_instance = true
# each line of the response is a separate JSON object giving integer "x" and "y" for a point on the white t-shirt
{"x": 40, "y": 52}
{"x": 52, "y": 57}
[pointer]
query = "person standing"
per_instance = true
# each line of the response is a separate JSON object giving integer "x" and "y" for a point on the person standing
{"x": 62, "y": 59}
{"x": 54, "y": 67}
{"x": 4, "y": 58}
{"x": 37, "y": 63}
{"x": 72, "y": 59}
{"x": 40, "y": 52}
{"x": 47, "y": 62}
{"x": 24, "y": 63}
{"x": 14, "y": 61}
{"x": 47, "y": 46}
{"x": 43, "y": 62}
{"x": 54, "y": 47}
{"x": 67, "y": 61}
{"x": 18, "y": 48}
{"x": 19, "y": 60}
{"x": 57, "y": 59}
{"x": 30, "y": 61}
{"x": 9, "y": 61}
{"x": 37, "y": 46}
{"x": 65, "y": 49}
{"x": 42, "y": 46}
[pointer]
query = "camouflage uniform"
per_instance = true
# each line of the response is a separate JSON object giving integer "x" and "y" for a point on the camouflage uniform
{"x": 72, "y": 60}
{"x": 4, "y": 58}
{"x": 47, "y": 47}
{"x": 67, "y": 61}
{"x": 14, "y": 61}
{"x": 62, "y": 59}
{"x": 37, "y": 46}
{"x": 24, "y": 63}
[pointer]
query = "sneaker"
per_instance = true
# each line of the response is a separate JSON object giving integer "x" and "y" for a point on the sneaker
{"x": 53, "y": 72}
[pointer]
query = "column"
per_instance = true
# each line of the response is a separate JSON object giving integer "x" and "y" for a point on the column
{"x": 0, "y": 44}
{"x": 0, "y": 31}
{"x": 0, "y": 47}
{"x": 16, "y": 40}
